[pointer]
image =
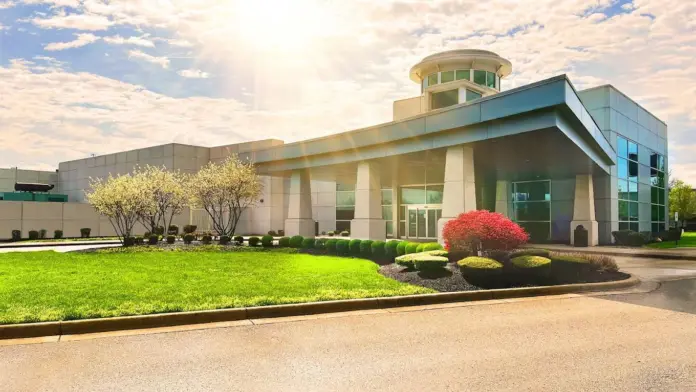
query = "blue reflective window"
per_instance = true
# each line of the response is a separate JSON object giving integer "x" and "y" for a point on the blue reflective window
{"x": 632, "y": 151}
{"x": 633, "y": 191}
{"x": 622, "y": 147}
{"x": 623, "y": 168}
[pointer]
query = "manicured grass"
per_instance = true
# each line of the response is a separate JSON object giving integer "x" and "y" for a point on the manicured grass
{"x": 45, "y": 286}
{"x": 688, "y": 240}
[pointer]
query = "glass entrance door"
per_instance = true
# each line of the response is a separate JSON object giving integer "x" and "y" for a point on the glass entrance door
{"x": 422, "y": 222}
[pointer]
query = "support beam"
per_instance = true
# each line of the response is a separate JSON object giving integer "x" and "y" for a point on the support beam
{"x": 368, "y": 222}
{"x": 460, "y": 185}
{"x": 503, "y": 198}
{"x": 584, "y": 209}
{"x": 299, "y": 221}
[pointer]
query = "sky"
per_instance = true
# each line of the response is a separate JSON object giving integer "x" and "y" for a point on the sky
{"x": 82, "y": 77}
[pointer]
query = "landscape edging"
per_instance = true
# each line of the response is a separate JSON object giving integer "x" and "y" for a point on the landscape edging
{"x": 54, "y": 328}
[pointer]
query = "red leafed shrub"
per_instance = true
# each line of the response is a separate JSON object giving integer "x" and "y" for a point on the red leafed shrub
{"x": 483, "y": 230}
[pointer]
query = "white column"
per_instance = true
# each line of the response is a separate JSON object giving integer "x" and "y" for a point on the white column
{"x": 584, "y": 209}
{"x": 368, "y": 223}
{"x": 503, "y": 196}
{"x": 299, "y": 221}
{"x": 460, "y": 185}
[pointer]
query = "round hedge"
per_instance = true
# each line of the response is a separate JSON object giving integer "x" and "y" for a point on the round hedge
{"x": 379, "y": 249}
{"x": 479, "y": 263}
{"x": 267, "y": 241}
{"x": 401, "y": 248}
{"x": 331, "y": 246}
{"x": 254, "y": 241}
{"x": 420, "y": 248}
{"x": 354, "y": 247}
{"x": 343, "y": 247}
{"x": 406, "y": 260}
{"x": 366, "y": 248}
{"x": 296, "y": 241}
{"x": 531, "y": 262}
{"x": 320, "y": 243}
{"x": 442, "y": 253}
{"x": 411, "y": 247}
{"x": 430, "y": 246}
{"x": 390, "y": 249}
{"x": 530, "y": 252}
{"x": 284, "y": 242}
{"x": 426, "y": 262}
{"x": 224, "y": 240}
{"x": 483, "y": 272}
{"x": 238, "y": 239}
{"x": 307, "y": 243}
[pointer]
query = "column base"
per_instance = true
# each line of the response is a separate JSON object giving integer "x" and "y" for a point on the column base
{"x": 303, "y": 227}
{"x": 592, "y": 232}
{"x": 368, "y": 229}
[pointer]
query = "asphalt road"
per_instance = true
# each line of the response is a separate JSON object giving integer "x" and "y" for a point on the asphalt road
{"x": 629, "y": 342}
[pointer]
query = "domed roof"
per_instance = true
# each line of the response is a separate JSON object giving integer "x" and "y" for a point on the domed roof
{"x": 467, "y": 58}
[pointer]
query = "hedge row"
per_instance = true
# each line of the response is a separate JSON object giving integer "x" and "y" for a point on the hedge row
{"x": 355, "y": 247}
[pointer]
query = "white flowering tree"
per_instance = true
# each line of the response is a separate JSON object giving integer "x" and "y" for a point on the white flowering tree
{"x": 165, "y": 188}
{"x": 224, "y": 190}
{"x": 122, "y": 199}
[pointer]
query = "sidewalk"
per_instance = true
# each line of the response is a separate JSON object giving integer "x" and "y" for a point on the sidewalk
{"x": 25, "y": 244}
{"x": 678, "y": 253}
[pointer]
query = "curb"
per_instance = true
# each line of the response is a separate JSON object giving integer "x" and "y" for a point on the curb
{"x": 56, "y": 328}
{"x": 660, "y": 255}
{"x": 51, "y": 244}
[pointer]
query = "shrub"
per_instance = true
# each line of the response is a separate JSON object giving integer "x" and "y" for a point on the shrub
{"x": 58, "y": 234}
{"x": 190, "y": 229}
{"x": 129, "y": 241}
{"x": 188, "y": 238}
{"x": 272, "y": 233}
{"x": 530, "y": 252}
{"x": 531, "y": 269}
{"x": 159, "y": 230}
{"x": 345, "y": 234}
{"x": 281, "y": 233}
{"x": 426, "y": 262}
{"x": 296, "y": 241}
{"x": 483, "y": 230}
{"x": 239, "y": 240}
{"x": 630, "y": 238}
{"x": 33, "y": 235}
{"x": 284, "y": 242}
{"x": 225, "y": 240}
{"x": 354, "y": 246}
{"x": 601, "y": 262}
{"x": 320, "y": 243}
{"x": 419, "y": 249}
{"x": 138, "y": 240}
{"x": 481, "y": 271}
{"x": 171, "y": 239}
{"x": 441, "y": 252}
{"x": 531, "y": 262}
{"x": 254, "y": 241}
{"x": 173, "y": 230}
{"x": 267, "y": 241}
{"x": 153, "y": 239}
{"x": 85, "y": 232}
{"x": 480, "y": 263}
{"x": 401, "y": 248}
{"x": 206, "y": 239}
{"x": 427, "y": 247}
{"x": 411, "y": 247}
{"x": 343, "y": 247}
{"x": 405, "y": 260}
{"x": 308, "y": 243}
{"x": 366, "y": 248}
{"x": 146, "y": 234}
{"x": 331, "y": 246}
{"x": 331, "y": 234}
{"x": 564, "y": 264}
{"x": 390, "y": 249}
{"x": 378, "y": 249}
{"x": 42, "y": 234}
{"x": 502, "y": 256}
{"x": 16, "y": 235}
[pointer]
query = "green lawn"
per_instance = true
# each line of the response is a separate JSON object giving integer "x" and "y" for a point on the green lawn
{"x": 45, "y": 286}
{"x": 688, "y": 241}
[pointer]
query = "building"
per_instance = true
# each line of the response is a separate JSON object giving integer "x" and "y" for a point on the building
{"x": 546, "y": 155}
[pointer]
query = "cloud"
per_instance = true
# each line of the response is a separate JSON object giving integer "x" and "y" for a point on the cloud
{"x": 161, "y": 61}
{"x": 194, "y": 73}
{"x": 82, "y": 40}
{"x": 138, "y": 41}
{"x": 74, "y": 21}
{"x": 6, "y": 4}
{"x": 4, "y": 27}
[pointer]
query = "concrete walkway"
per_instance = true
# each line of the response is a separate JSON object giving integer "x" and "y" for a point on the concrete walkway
{"x": 59, "y": 248}
{"x": 678, "y": 253}
{"x": 27, "y": 244}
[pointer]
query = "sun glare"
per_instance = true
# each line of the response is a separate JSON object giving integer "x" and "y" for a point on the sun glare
{"x": 283, "y": 25}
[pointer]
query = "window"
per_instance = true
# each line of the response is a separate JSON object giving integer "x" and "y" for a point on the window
{"x": 464, "y": 74}
{"x": 471, "y": 95}
{"x": 444, "y": 99}
{"x": 432, "y": 79}
{"x": 345, "y": 206}
{"x": 532, "y": 208}
{"x": 447, "y": 77}
{"x": 627, "y": 171}
{"x": 387, "y": 215}
{"x": 490, "y": 79}
{"x": 480, "y": 77}
{"x": 657, "y": 192}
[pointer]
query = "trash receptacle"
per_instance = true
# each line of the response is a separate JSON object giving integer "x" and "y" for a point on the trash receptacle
{"x": 581, "y": 237}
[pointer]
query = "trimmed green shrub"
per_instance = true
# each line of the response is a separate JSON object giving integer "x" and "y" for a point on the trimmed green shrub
{"x": 320, "y": 243}
{"x": 354, "y": 247}
{"x": 531, "y": 262}
{"x": 225, "y": 240}
{"x": 530, "y": 252}
{"x": 284, "y": 242}
{"x": 481, "y": 271}
{"x": 419, "y": 249}
{"x": 366, "y": 248}
{"x": 378, "y": 249}
{"x": 331, "y": 234}
{"x": 239, "y": 240}
{"x": 254, "y": 241}
{"x": 405, "y": 260}
{"x": 138, "y": 240}
{"x": 343, "y": 247}
{"x": 129, "y": 241}
{"x": 206, "y": 239}
{"x": 16, "y": 235}
{"x": 401, "y": 248}
{"x": 189, "y": 229}
{"x": 442, "y": 253}
{"x": 58, "y": 234}
{"x": 33, "y": 235}
{"x": 153, "y": 239}
{"x": 146, "y": 235}
{"x": 188, "y": 238}
{"x": 272, "y": 233}
{"x": 159, "y": 230}
{"x": 426, "y": 262}
{"x": 173, "y": 230}
{"x": 85, "y": 232}
{"x": 531, "y": 269}
{"x": 308, "y": 243}
{"x": 267, "y": 241}
{"x": 331, "y": 246}
{"x": 411, "y": 247}
{"x": 345, "y": 233}
{"x": 171, "y": 239}
{"x": 296, "y": 241}
{"x": 480, "y": 263}
{"x": 42, "y": 234}
{"x": 427, "y": 247}
{"x": 390, "y": 249}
